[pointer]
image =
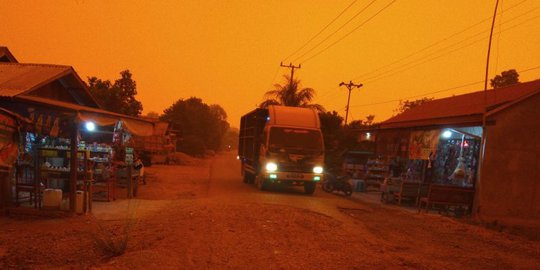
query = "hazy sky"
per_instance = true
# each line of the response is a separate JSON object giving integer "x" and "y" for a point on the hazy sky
{"x": 228, "y": 52}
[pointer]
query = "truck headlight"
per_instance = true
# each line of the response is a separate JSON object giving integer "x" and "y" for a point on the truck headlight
{"x": 271, "y": 167}
{"x": 317, "y": 169}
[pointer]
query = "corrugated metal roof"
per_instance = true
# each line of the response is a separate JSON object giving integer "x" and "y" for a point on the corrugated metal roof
{"x": 16, "y": 79}
{"x": 76, "y": 107}
{"x": 453, "y": 110}
{"x": 6, "y": 54}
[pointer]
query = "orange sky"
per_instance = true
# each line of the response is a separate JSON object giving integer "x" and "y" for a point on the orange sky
{"x": 228, "y": 52}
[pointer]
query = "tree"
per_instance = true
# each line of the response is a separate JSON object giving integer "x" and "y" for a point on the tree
{"x": 152, "y": 114}
{"x": 357, "y": 124}
{"x": 128, "y": 91}
{"x": 219, "y": 128}
{"x": 330, "y": 122}
{"x": 202, "y": 126}
{"x": 338, "y": 140}
{"x": 230, "y": 139}
{"x": 331, "y": 128}
{"x": 409, "y": 104}
{"x": 118, "y": 97}
{"x": 369, "y": 120}
{"x": 506, "y": 78}
{"x": 290, "y": 94}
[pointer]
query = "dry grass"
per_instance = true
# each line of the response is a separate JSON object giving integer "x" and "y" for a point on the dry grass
{"x": 112, "y": 239}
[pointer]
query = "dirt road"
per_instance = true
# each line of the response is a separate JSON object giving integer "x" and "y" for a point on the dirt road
{"x": 204, "y": 217}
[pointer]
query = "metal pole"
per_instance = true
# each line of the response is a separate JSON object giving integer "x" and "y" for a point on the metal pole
{"x": 349, "y": 86}
{"x": 477, "y": 184}
{"x": 347, "y": 109}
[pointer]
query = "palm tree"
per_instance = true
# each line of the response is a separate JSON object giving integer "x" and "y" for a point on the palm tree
{"x": 289, "y": 94}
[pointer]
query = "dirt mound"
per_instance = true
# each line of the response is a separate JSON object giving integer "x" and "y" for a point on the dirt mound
{"x": 180, "y": 158}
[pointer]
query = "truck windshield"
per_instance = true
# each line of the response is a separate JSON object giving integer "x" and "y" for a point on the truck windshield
{"x": 301, "y": 140}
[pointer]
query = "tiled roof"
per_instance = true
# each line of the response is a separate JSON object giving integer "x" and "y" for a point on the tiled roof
{"x": 16, "y": 79}
{"x": 456, "y": 109}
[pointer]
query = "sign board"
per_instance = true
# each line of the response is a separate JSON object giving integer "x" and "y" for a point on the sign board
{"x": 423, "y": 143}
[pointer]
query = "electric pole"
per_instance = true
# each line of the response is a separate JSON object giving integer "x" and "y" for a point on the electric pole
{"x": 349, "y": 86}
{"x": 292, "y": 67}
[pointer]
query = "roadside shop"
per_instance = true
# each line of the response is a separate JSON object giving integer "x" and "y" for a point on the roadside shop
{"x": 70, "y": 146}
{"x": 484, "y": 141}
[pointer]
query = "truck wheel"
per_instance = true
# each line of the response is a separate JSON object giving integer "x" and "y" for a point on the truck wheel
{"x": 247, "y": 177}
{"x": 309, "y": 187}
{"x": 261, "y": 183}
{"x": 328, "y": 187}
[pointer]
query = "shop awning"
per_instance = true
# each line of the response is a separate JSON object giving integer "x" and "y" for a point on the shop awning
{"x": 134, "y": 125}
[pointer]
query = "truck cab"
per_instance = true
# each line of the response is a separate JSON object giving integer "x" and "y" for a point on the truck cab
{"x": 282, "y": 145}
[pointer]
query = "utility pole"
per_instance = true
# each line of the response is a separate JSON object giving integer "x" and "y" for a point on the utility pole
{"x": 292, "y": 67}
{"x": 349, "y": 86}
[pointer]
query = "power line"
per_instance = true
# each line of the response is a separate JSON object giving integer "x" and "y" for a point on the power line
{"x": 529, "y": 69}
{"x": 337, "y": 30}
{"x": 328, "y": 92}
{"x": 452, "y": 45}
{"x": 407, "y": 66}
{"x": 434, "y": 92}
{"x": 322, "y": 30}
{"x": 350, "y": 32}
{"x": 420, "y": 95}
{"x": 416, "y": 62}
{"x": 437, "y": 42}
{"x": 275, "y": 75}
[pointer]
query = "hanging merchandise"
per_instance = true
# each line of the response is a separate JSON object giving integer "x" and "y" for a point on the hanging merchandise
{"x": 458, "y": 176}
{"x": 47, "y": 123}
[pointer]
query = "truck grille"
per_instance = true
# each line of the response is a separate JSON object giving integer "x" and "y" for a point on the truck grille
{"x": 295, "y": 167}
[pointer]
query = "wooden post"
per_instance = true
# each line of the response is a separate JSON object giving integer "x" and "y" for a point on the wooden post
{"x": 4, "y": 188}
{"x": 87, "y": 184}
{"x": 74, "y": 166}
{"x": 129, "y": 181}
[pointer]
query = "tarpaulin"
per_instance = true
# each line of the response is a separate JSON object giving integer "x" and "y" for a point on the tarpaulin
{"x": 135, "y": 127}
{"x": 8, "y": 140}
{"x": 138, "y": 128}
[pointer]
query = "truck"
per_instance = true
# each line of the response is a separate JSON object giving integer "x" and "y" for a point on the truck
{"x": 281, "y": 145}
{"x": 158, "y": 148}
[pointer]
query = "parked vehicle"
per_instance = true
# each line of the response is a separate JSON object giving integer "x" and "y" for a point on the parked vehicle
{"x": 334, "y": 182}
{"x": 281, "y": 145}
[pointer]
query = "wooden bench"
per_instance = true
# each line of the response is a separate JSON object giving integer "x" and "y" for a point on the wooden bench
{"x": 411, "y": 191}
{"x": 447, "y": 196}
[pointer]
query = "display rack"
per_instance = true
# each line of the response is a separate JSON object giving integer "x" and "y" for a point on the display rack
{"x": 104, "y": 181}
{"x": 53, "y": 170}
{"x": 376, "y": 172}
